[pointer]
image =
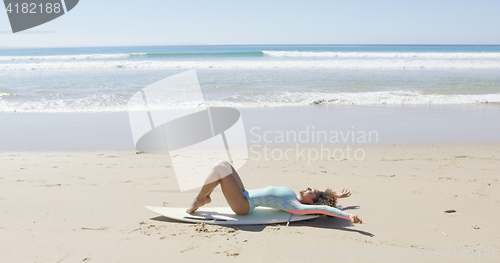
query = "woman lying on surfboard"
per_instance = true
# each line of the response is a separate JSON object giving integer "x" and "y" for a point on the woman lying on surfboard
{"x": 242, "y": 202}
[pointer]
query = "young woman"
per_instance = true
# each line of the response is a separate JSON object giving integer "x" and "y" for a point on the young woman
{"x": 242, "y": 202}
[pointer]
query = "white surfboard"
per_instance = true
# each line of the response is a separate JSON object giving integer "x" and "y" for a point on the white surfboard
{"x": 226, "y": 216}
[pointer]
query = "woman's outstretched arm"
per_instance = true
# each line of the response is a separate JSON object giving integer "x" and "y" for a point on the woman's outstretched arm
{"x": 302, "y": 209}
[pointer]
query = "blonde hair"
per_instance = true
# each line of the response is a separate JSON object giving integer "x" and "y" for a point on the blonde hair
{"x": 327, "y": 197}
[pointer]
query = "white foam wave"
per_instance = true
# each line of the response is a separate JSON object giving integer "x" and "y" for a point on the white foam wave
{"x": 256, "y": 64}
{"x": 109, "y": 104}
{"x": 448, "y": 55}
{"x": 361, "y": 98}
{"x": 404, "y": 98}
{"x": 70, "y": 57}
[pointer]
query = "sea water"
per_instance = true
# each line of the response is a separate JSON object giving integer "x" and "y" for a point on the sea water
{"x": 103, "y": 79}
{"x": 279, "y": 80}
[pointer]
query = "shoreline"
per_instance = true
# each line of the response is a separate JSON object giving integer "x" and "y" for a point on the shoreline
{"x": 413, "y": 124}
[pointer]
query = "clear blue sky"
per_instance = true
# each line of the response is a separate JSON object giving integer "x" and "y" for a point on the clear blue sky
{"x": 159, "y": 22}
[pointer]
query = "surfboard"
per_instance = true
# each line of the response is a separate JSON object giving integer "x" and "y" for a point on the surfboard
{"x": 226, "y": 216}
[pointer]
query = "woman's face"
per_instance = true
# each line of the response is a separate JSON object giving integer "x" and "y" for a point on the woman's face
{"x": 309, "y": 195}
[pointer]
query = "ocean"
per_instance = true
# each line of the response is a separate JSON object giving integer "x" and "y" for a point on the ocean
{"x": 103, "y": 79}
{"x": 294, "y": 86}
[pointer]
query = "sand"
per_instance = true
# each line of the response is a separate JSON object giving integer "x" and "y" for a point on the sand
{"x": 79, "y": 206}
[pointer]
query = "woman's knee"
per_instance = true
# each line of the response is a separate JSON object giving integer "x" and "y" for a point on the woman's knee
{"x": 224, "y": 162}
{"x": 223, "y": 168}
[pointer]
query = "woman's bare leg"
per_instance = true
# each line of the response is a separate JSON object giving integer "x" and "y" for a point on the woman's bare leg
{"x": 236, "y": 176}
{"x": 232, "y": 188}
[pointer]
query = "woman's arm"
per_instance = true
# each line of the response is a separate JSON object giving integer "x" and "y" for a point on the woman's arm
{"x": 301, "y": 209}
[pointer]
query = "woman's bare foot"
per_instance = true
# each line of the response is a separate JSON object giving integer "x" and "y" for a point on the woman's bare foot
{"x": 197, "y": 203}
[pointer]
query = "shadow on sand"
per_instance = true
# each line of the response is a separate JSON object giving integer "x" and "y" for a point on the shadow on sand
{"x": 326, "y": 222}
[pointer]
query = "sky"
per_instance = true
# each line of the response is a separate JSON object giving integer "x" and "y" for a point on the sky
{"x": 224, "y": 22}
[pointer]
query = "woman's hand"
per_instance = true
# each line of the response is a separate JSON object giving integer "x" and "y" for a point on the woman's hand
{"x": 355, "y": 219}
{"x": 345, "y": 193}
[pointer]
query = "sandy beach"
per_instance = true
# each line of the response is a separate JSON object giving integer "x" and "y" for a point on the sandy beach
{"x": 87, "y": 206}
{"x": 108, "y": 121}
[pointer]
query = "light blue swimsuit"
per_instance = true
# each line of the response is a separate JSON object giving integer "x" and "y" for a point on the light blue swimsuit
{"x": 285, "y": 199}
